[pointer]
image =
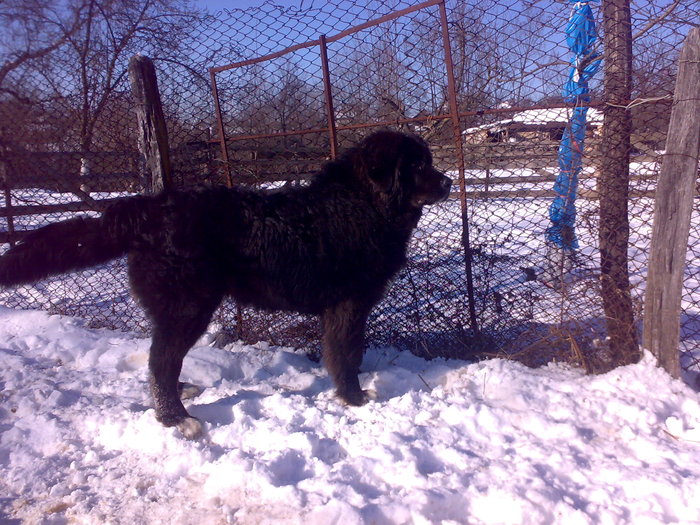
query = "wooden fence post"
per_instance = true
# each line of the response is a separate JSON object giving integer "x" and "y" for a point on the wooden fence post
{"x": 153, "y": 133}
{"x": 672, "y": 212}
{"x": 7, "y": 180}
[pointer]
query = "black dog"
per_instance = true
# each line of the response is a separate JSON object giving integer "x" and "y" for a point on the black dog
{"x": 329, "y": 249}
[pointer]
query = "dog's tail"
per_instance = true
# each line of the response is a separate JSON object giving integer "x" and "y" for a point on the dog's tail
{"x": 74, "y": 244}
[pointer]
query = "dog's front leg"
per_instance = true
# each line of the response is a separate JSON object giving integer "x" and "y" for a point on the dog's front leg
{"x": 343, "y": 342}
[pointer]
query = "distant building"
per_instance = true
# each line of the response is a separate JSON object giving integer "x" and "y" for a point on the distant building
{"x": 531, "y": 126}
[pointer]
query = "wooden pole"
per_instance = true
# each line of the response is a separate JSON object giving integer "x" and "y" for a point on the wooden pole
{"x": 613, "y": 233}
{"x": 672, "y": 212}
{"x": 7, "y": 180}
{"x": 153, "y": 133}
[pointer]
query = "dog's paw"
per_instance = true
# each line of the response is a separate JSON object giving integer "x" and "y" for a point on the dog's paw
{"x": 188, "y": 390}
{"x": 190, "y": 428}
{"x": 356, "y": 398}
{"x": 223, "y": 338}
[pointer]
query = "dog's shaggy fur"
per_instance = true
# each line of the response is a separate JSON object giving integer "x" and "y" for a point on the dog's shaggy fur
{"x": 329, "y": 249}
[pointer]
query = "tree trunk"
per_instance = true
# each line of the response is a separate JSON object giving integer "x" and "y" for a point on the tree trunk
{"x": 614, "y": 184}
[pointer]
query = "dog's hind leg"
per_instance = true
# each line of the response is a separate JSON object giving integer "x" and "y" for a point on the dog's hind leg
{"x": 343, "y": 345}
{"x": 179, "y": 297}
{"x": 174, "y": 333}
{"x": 180, "y": 305}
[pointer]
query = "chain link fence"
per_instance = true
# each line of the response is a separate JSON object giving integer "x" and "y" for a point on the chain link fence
{"x": 480, "y": 81}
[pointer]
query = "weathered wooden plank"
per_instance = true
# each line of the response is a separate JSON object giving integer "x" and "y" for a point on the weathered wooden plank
{"x": 69, "y": 207}
{"x": 153, "y": 133}
{"x": 672, "y": 213}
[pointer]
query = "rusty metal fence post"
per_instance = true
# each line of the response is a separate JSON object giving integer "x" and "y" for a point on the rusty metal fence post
{"x": 332, "y": 134}
{"x": 220, "y": 128}
{"x": 459, "y": 152}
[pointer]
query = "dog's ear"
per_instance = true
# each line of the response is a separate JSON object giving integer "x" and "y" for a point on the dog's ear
{"x": 384, "y": 175}
{"x": 381, "y": 156}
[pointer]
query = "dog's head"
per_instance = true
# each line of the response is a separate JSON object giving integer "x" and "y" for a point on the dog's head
{"x": 399, "y": 167}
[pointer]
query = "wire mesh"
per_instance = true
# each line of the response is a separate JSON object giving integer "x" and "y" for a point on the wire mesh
{"x": 67, "y": 142}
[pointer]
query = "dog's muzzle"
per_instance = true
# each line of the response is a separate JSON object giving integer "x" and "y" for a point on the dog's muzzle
{"x": 432, "y": 187}
{"x": 446, "y": 185}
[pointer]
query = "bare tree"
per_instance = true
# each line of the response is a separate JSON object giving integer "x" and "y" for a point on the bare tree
{"x": 376, "y": 82}
{"x": 88, "y": 73}
{"x": 271, "y": 98}
{"x": 30, "y": 31}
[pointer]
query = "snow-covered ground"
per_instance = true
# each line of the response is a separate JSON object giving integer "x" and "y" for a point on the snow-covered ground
{"x": 444, "y": 442}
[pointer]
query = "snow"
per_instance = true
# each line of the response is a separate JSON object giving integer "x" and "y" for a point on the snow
{"x": 535, "y": 117}
{"x": 545, "y": 116}
{"x": 443, "y": 442}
